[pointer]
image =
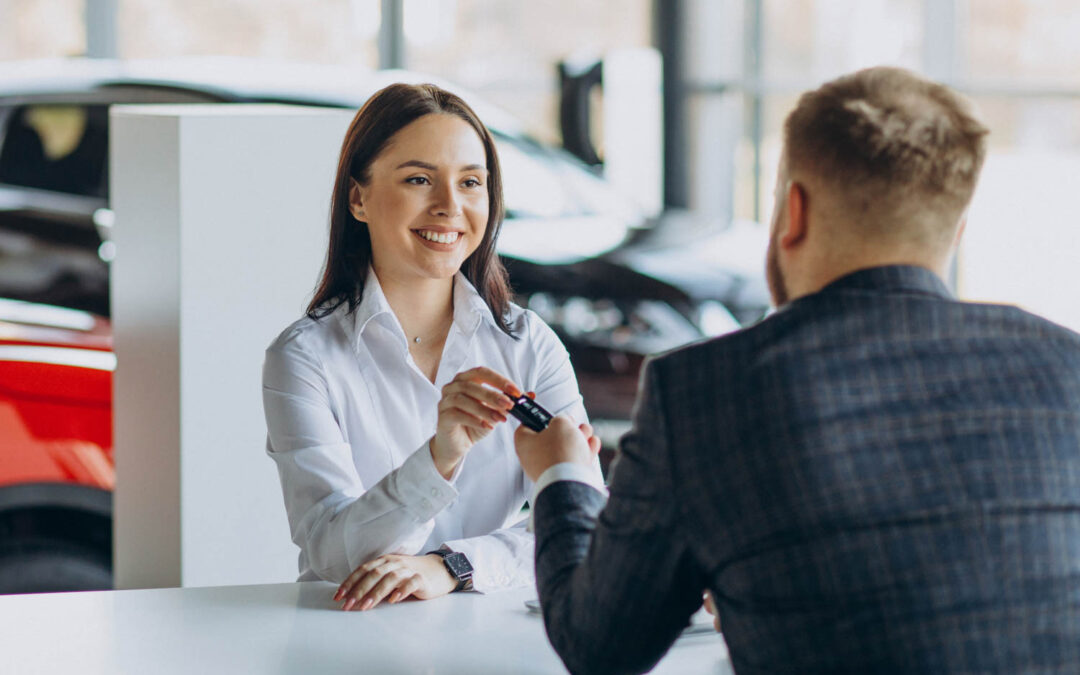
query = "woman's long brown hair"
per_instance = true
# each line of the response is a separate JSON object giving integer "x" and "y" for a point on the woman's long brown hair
{"x": 349, "y": 254}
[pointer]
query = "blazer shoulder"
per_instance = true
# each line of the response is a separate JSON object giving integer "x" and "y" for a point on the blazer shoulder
{"x": 1037, "y": 324}
{"x": 728, "y": 349}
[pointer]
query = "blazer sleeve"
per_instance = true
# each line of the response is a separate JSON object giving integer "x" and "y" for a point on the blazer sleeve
{"x": 618, "y": 583}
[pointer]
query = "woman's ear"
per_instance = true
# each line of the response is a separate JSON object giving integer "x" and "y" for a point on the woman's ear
{"x": 356, "y": 203}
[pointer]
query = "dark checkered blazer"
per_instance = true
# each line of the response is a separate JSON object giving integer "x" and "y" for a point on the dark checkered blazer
{"x": 877, "y": 478}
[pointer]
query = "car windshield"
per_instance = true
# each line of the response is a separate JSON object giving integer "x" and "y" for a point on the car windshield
{"x": 540, "y": 182}
{"x": 56, "y": 147}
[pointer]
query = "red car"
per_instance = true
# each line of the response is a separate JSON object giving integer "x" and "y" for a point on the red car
{"x": 56, "y": 466}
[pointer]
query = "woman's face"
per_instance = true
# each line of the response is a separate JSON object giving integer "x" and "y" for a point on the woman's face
{"x": 426, "y": 200}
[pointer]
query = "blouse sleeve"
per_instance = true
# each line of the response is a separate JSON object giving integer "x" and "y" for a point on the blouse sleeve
{"x": 337, "y": 521}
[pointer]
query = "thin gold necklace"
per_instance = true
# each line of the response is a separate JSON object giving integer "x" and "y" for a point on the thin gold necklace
{"x": 418, "y": 340}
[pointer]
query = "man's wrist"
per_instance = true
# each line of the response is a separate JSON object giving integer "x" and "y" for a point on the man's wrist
{"x": 574, "y": 471}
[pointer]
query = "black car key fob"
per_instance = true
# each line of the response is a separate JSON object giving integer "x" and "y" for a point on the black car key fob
{"x": 530, "y": 413}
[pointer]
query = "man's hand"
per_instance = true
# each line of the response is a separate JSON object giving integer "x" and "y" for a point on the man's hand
{"x": 560, "y": 442}
{"x": 396, "y": 576}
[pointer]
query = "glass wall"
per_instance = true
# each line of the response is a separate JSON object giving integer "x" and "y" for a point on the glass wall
{"x": 327, "y": 31}
{"x": 746, "y": 62}
{"x": 508, "y": 51}
{"x": 36, "y": 29}
{"x": 1019, "y": 60}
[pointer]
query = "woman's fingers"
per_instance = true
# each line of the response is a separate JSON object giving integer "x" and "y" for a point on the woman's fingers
{"x": 490, "y": 377}
{"x": 358, "y": 574}
{"x": 391, "y": 580}
{"x": 466, "y": 403}
{"x": 458, "y": 417}
{"x": 496, "y": 400}
{"x": 357, "y": 596}
{"x": 411, "y": 586}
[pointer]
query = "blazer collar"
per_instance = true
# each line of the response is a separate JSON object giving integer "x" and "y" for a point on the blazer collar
{"x": 895, "y": 278}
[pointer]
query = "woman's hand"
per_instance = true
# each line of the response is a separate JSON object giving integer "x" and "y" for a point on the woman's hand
{"x": 395, "y": 577}
{"x": 468, "y": 412}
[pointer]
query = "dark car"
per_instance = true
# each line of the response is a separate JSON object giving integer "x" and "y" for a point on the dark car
{"x": 615, "y": 285}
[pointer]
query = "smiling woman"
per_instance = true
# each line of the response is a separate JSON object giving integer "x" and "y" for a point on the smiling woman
{"x": 425, "y": 192}
{"x": 386, "y": 405}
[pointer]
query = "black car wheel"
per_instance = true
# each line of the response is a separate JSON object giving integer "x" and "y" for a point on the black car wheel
{"x": 46, "y": 565}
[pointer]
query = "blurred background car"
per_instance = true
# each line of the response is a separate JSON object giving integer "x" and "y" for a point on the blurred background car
{"x": 615, "y": 284}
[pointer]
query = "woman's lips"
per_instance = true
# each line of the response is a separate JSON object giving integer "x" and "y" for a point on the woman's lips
{"x": 439, "y": 241}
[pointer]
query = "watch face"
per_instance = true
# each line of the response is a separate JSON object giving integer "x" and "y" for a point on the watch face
{"x": 458, "y": 565}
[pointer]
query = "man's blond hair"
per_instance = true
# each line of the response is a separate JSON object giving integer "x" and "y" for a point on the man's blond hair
{"x": 891, "y": 145}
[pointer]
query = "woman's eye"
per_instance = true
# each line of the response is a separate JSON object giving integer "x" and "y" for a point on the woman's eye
{"x": 471, "y": 183}
{"x": 417, "y": 180}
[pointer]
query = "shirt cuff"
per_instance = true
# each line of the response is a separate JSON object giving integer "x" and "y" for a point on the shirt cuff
{"x": 565, "y": 471}
{"x": 423, "y": 490}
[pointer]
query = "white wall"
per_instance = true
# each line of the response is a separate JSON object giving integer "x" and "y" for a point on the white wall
{"x": 221, "y": 226}
{"x": 1021, "y": 245}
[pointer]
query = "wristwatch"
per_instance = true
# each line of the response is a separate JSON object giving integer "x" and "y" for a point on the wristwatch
{"x": 458, "y": 566}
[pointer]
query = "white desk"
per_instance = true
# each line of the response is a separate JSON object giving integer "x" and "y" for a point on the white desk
{"x": 290, "y": 628}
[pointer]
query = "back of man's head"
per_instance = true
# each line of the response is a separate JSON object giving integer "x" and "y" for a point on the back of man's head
{"x": 897, "y": 156}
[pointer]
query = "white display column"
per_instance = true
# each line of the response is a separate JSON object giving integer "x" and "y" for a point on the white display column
{"x": 221, "y": 221}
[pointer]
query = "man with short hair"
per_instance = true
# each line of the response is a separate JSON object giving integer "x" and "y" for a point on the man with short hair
{"x": 876, "y": 478}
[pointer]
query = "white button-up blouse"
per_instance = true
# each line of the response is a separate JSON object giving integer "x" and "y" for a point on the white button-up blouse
{"x": 349, "y": 417}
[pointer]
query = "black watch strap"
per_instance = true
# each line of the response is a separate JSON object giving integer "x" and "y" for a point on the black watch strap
{"x": 459, "y": 567}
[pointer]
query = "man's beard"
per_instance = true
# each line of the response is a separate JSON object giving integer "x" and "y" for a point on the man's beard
{"x": 774, "y": 275}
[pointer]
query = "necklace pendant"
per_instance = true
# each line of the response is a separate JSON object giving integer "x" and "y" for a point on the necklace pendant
{"x": 416, "y": 340}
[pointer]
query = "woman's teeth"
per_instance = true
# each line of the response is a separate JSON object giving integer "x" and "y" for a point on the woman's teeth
{"x": 444, "y": 238}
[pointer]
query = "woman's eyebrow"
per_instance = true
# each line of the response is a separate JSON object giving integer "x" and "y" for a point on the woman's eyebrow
{"x": 431, "y": 167}
{"x": 418, "y": 163}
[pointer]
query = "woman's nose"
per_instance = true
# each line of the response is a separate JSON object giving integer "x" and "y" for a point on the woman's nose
{"x": 446, "y": 202}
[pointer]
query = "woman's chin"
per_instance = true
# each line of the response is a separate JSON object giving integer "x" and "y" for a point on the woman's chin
{"x": 437, "y": 272}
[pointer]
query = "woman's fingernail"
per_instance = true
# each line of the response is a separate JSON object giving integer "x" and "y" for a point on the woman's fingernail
{"x": 394, "y": 597}
{"x": 367, "y": 605}
{"x": 348, "y": 604}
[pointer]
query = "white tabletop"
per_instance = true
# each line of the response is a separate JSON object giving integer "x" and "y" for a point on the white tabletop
{"x": 290, "y": 628}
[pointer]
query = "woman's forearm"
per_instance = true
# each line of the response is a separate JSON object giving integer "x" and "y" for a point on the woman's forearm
{"x": 343, "y": 529}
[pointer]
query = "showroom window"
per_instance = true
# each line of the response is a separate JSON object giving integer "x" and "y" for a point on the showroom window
{"x": 508, "y": 51}
{"x": 743, "y": 64}
{"x": 1017, "y": 59}
{"x": 35, "y": 29}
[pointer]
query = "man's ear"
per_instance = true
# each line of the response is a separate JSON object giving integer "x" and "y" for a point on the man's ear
{"x": 356, "y": 203}
{"x": 960, "y": 232}
{"x": 795, "y": 227}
